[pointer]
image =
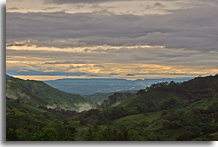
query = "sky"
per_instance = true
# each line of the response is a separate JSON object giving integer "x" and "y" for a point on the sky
{"x": 130, "y": 39}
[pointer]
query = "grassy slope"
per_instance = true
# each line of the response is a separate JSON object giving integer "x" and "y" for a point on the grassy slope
{"x": 46, "y": 93}
{"x": 196, "y": 86}
{"x": 132, "y": 120}
{"x": 16, "y": 91}
{"x": 155, "y": 119}
{"x": 159, "y": 97}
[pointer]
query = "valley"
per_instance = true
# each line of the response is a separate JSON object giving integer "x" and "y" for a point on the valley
{"x": 171, "y": 111}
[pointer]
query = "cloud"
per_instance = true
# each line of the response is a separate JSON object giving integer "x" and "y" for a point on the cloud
{"x": 113, "y": 74}
{"x": 183, "y": 40}
{"x": 66, "y": 62}
{"x": 141, "y": 60}
{"x": 100, "y": 66}
{"x": 123, "y": 55}
{"x": 192, "y": 29}
{"x": 164, "y": 74}
{"x": 50, "y": 8}
{"x": 158, "y": 5}
{"x": 13, "y": 8}
{"x": 81, "y": 1}
{"x": 103, "y": 12}
{"x": 34, "y": 72}
{"x": 18, "y": 44}
{"x": 130, "y": 75}
{"x": 29, "y": 72}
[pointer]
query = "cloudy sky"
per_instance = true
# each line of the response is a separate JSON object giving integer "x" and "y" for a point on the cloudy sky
{"x": 50, "y": 39}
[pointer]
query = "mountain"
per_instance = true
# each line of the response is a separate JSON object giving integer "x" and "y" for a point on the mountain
{"x": 102, "y": 85}
{"x": 186, "y": 111}
{"x": 100, "y": 97}
{"x": 18, "y": 93}
{"x": 39, "y": 93}
{"x": 164, "y": 111}
{"x": 166, "y": 95}
{"x": 116, "y": 99}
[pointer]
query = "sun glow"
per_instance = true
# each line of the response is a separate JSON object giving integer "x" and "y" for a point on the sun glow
{"x": 75, "y": 49}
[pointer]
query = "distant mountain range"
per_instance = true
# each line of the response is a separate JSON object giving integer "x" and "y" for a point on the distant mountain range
{"x": 102, "y": 85}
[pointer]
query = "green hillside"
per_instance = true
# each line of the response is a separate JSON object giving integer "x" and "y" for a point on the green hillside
{"x": 172, "y": 111}
{"x": 163, "y": 96}
{"x": 154, "y": 101}
{"x": 165, "y": 111}
{"x": 15, "y": 91}
{"x": 28, "y": 90}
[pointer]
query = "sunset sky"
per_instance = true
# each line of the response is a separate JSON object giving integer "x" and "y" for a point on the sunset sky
{"x": 131, "y": 39}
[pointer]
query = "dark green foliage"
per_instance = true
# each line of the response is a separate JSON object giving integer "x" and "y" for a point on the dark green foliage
{"x": 169, "y": 104}
{"x": 153, "y": 137}
{"x": 141, "y": 91}
{"x": 83, "y": 122}
{"x": 191, "y": 132}
{"x": 110, "y": 133}
{"x": 149, "y": 106}
{"x": 166, "y": 111}
{"x": 27, "y": 125}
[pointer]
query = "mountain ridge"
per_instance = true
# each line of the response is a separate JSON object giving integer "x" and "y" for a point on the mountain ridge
{"x": 104, "y": 85}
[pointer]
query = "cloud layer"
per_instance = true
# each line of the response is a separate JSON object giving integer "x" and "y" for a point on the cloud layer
{"x": 103, "y": 41}
{"x": 189, "y": 29}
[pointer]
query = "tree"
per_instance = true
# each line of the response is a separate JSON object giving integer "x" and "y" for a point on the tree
{"x": 49, "y": 134}
{"x": 152, "y": 137}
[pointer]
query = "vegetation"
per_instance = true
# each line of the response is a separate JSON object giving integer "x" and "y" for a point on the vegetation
{"x": 38, "y": 93}
{"x": 105, "y": 97}
{"x": 116, "y": 99}
{"x": 172, "y": 111}
{"x": 99, "y": 97}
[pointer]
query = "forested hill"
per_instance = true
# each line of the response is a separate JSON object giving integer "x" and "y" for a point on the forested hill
{"x": 40, "y": 94}
{"x": 165, "y": 111}
{"x": 186, "y": 111}
{"x": 103, "y": 97}
{"x": 166, "y": 95}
